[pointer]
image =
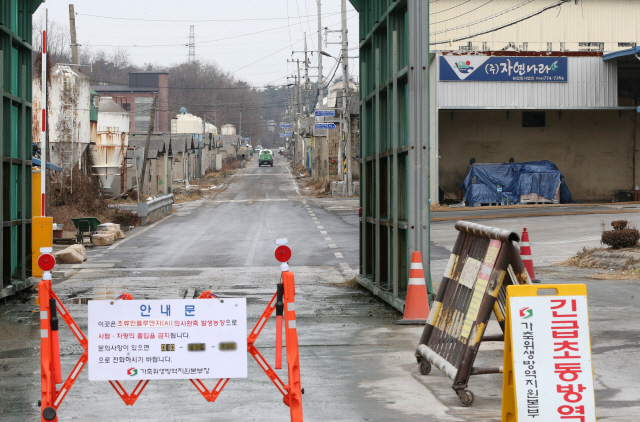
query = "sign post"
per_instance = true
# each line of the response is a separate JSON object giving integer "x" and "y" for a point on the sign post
{"x": 548, "y": 371}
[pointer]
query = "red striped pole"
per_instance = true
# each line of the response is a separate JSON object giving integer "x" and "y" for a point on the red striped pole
{"x": 43, "y": 139}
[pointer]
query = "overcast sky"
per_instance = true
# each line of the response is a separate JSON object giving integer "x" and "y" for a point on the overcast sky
{"x": 251, "y": 38}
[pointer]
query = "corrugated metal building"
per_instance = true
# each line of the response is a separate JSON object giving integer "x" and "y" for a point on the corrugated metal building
{"x": 486, "y": 120}
{"x": 15, "y": 143}
{"x": 419, "y": 129}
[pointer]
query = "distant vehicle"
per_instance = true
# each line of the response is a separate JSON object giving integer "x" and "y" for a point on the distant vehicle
{"x": 266, "y": 158}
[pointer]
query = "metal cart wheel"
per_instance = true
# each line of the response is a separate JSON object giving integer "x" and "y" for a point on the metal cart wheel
{"x": 466, "y": 397}
{"x": 425, "y": 367}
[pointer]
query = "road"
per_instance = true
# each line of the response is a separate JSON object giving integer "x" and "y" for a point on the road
{"x": 356, "y": 363}
{"x": 225, "y": 243}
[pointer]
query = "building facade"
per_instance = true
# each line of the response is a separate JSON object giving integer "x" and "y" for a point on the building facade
{"x": 420, "y": 126}
{"x": 137, "y": 99}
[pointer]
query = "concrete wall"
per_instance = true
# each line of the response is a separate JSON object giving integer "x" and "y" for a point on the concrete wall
{"x": 592, "y": 149}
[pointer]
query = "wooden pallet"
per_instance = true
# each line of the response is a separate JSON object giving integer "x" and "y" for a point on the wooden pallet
{"x": 489, "y": 204}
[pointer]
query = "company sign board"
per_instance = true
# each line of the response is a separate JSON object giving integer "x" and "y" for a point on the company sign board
{"x": 325, "y": 113}
{"x": 503, "y": 69}
{"x": 551, "y": 355}
{"x": 285, "y": 125}
{"x": 325, "y": 126}
{"x": 167, "y": 339}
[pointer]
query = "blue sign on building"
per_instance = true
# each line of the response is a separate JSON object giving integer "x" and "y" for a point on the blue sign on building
{"x": 285, "y": 124}
{"x": 325, "y": 126}
{"x": 324, "y": 113}
{"x": 503, "y": 69}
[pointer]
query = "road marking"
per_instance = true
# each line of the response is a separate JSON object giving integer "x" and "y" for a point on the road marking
{"x": 320, "y": 227}
{"x": 304, "y": 201}
{"x": 323, "y": 232}
{"x": 295, "y": 185}
{"x": 315, "y": 218}
{"x": 332, "y": 246}
{"x": 338, "y": 255}
{"x": 327, "y": 238}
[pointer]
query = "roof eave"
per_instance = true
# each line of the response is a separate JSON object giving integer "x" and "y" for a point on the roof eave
{"x": 621, "y": 53}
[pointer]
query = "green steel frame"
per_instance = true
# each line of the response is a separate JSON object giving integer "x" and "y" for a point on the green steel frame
{"x": 394, "y": 133}
{"x": 15, "y": 143}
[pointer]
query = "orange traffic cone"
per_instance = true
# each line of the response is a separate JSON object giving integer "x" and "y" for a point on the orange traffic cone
{"x": 416, "y": 307}
{"x": 525, "y": 254}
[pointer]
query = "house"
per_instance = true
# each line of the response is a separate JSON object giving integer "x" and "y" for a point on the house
{"x": 136, "y": 98}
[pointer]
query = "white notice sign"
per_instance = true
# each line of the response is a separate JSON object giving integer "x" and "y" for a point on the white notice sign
{"x": 167, "y": 339}
{"x": 552, "y": 358}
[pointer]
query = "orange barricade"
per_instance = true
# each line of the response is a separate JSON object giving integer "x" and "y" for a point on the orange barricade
{"x": 292, "y": 392}
{"x": 50, "y": 376}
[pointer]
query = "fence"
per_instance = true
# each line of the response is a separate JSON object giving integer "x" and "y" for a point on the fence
{"x": 483, "y": 262}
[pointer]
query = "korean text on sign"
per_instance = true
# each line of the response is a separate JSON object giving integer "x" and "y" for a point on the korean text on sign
{"x": 167, "y": 339}
{"x": 552, "y": 358}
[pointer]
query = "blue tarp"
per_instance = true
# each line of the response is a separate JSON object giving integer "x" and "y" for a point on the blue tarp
{"x": 36, "y": 162}
{"x": 515, "y": 179}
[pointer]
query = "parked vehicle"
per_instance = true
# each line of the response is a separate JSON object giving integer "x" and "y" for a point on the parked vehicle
{"x": 266, "y": 158}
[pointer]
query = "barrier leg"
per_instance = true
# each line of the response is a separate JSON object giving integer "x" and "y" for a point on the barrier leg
{"x": 294, "y": 397}
{"x": 279, "y": 313}
{"x": 128, "y": 399}
{"x": 47, "y": 371}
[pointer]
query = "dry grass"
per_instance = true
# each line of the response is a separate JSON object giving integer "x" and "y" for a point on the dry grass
{"x": 187, "y": 195}
{"x": 440, "y": 207}
{"x": 350, "y": 284}
{"x": 581, "y": 260}
{"x": 632, "y": 274}
{"x": 81, "y": 196}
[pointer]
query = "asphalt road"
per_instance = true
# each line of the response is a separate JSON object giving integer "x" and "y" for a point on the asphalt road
{"x": 356, "y": 363}
{"x": 224, "y": 243}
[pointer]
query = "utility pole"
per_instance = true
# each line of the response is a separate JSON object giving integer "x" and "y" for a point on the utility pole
{"x": 345, "y": 96}
{"x": 240, "y": 123}
{"x": 320, "y": 82}
{"x": 146, "y": 146}
{"x": 306, "y": 75}
{"x": 74, "y": 43}
{"x": 299, "y": 89}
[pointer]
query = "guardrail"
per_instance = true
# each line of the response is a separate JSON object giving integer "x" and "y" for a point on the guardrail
{"x": 155, "y": 209}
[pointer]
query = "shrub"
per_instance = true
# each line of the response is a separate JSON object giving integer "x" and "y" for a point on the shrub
{"x": 619, "y": 224}
{"x": 621, "y": 238}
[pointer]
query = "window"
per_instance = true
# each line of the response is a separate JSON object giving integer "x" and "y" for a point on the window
{"x": 533, "y": 119}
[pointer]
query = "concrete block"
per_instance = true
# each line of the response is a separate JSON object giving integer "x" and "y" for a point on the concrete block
{"x": 80, "y": 250}
{"x": 103, "y": 239}
{"x": 68, "y": 256}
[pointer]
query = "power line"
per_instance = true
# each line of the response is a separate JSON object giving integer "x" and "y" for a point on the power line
{"x": 201, "y": 42}
{"x": 495, "y": 15}
{"x": 192, "y": 20}
{"x": 465, "y": 13}
{"x": 497, "y": 28}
